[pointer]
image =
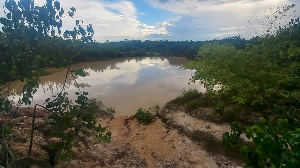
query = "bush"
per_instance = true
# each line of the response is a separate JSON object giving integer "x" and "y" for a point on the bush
{"x": 144, "y": 117}
{"x": 233, "y": 138}
{"x": 273, "y": 144}
{"x": 186, "y": 97}
{"x": 192, "y": 105}
{"x": 70, "y": 121}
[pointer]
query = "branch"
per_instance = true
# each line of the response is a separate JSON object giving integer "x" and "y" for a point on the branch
{"x": 75, "y": 81}
{"x": 4, "y": 87}
{"x": 5, "y": 144}
{"x": 32, "y": 129}
{"x": 67, "y": 75}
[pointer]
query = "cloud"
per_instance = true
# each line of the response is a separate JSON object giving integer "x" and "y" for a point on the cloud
{"x": 125, "y": 8}
{"x": 1, "y": 9}
{"x": 163, "y": 1}
{"x": 111, "y": 20}
{"x": 209, "y": 19}
{"x": 116, "y": 20}
{"x": 169, "y": 22}
{"x": 195, "y": 7}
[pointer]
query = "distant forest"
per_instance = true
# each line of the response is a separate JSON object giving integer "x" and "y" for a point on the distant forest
{"x": 137, "y": 48}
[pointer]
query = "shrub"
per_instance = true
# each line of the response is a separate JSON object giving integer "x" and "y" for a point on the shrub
{"x": 274, "y": 145}
{"x": 192, "y": 105}
{"x": 233, "y": 138}
{"x": 186, "y": 97}
{"x": 144, "y": 117}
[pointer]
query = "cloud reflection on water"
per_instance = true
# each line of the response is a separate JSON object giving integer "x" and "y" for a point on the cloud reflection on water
{"x": 125, "y": 84}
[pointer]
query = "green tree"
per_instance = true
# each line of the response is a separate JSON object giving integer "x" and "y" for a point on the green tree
{"x": 29, "y": 42}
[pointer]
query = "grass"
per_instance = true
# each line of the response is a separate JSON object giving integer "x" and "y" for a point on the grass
{"x": 192, "y": 100}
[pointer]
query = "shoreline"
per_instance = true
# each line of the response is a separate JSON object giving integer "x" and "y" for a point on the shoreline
{"x": 167, "y": 142}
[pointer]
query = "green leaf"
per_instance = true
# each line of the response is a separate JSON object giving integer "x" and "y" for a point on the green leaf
{"x": 80, "y": 72}
{"x": 7, "y": 129}
{"x": 47, "y": 100}
{"x": 7, "y": 105}
{"x": 284, "y": 156}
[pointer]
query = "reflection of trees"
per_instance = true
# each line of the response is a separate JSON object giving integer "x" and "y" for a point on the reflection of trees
{"x": 100, "y": 66}
{"x": 54, "y": 86}
{"x": 53, "y": 83}
{"x": 50, "y": 86}
{"x": 11, "y": 88}
{"x": 178, "y": 61}
{"x": 83, "y": 85}
{"x": 113, "y": 66}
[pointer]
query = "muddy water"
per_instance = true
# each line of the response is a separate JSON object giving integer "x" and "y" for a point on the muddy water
{"x": 125, "y": 84}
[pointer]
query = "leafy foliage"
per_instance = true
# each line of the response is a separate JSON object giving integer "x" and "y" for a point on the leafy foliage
{"x": 233, "y": 138}
{"x": 79, "y": 31}
{"x": 144, "y": 117}
{"x": 274, "y": 144}
{"x": 28, "y": 43}
{"x": 6, "y": 130}
{"x": 252, "y": 77}
{"x": 261, "y": 78}
{"x": 273, "y": 147}
{"x": 80, "y": 72}
{"x": 69, "y": 122}
{"x": 187, "y": 96}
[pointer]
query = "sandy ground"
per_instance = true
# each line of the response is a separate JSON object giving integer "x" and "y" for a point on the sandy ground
{"x": 133, "y": 144}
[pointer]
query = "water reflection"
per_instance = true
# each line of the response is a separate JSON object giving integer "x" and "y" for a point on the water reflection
{"x": 124, "y": 84}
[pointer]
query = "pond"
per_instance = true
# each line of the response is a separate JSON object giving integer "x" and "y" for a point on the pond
{"x": 125, "y": 84}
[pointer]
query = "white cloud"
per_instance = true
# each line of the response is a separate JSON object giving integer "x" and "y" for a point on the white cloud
{"x": 195, "y": 7}
{"x": 168, "y": 22}
{"x": 1, "y": 9}
{"x": 193, "y": 19}
{"x": 111, "y": 21}
{"x": 209, "y": 19}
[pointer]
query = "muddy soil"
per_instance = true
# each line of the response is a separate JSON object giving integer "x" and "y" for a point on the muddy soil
{"x": 174, "y": 139}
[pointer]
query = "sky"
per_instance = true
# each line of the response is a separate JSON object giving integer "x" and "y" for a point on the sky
{"x": 174, "y": 20}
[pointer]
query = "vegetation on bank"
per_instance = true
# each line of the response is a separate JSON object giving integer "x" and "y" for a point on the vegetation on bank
{"x": 144, "y": 116}
{"x": 262, "y": 80}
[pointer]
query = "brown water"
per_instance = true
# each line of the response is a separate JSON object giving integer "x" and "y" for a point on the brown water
{"x": 125, "y": 84}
